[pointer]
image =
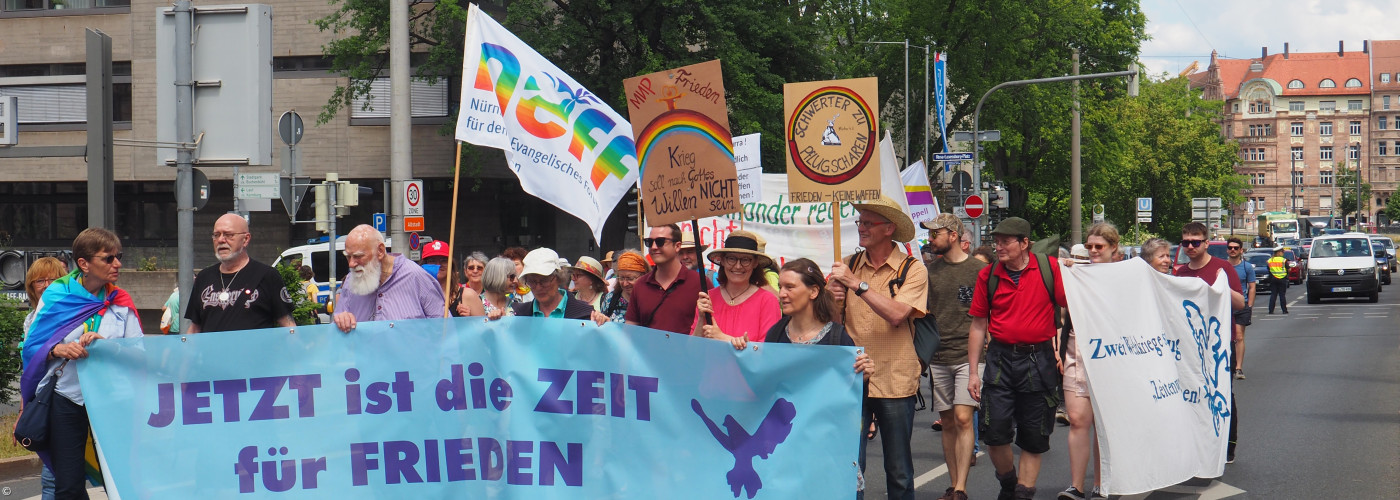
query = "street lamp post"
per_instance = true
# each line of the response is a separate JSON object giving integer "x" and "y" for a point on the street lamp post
{"x": 1131, "y": 73}
{"x": 905, "y": 43}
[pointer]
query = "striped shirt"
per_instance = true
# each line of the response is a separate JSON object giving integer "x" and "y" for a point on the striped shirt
{"x": 409, "y": 293}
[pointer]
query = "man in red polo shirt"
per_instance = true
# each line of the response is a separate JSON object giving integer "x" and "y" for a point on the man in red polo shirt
{"x": 664, "y": 298}
{"x": 1208, "y": 268}
{"x": 1023, "y": 382}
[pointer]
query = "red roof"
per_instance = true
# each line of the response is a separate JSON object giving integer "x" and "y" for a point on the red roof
{"x": 1313, "y": 67}
{"x": 1232, "y": 75}
{"x": 1386, "y": 59}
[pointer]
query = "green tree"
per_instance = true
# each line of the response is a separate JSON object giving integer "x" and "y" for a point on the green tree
{"x": 1166, "y": 145}
{"x": 304, "y": 308}
{"x": 1347, "y": 178}
{"x": 1392, "y": 212}
{"x": 12, "y": 313}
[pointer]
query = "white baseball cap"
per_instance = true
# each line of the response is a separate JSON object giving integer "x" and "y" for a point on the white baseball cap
{"x": 541, "y": 261}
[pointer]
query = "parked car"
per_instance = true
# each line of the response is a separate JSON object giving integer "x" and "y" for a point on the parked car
{"x": 1343, "y": 265}
{"x": 1389, "y": 245}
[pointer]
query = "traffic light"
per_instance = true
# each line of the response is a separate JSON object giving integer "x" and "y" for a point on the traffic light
{"x": 322, "y": 208}
{"x": 347, "y": 194}
{"x": 632, "y": 210}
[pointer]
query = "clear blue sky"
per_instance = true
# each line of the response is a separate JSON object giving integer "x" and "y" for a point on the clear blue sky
{"x": 1187, "y": 30}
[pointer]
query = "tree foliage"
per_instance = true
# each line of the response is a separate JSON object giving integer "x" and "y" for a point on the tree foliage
{"x": 1346, "y": 179}
{"x": 12, "y": 313}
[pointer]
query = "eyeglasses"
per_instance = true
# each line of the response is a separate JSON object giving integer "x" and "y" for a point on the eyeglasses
{"x": 476, "y": 268}
{"x": 109, "y": 258}
{"x": 1095, "y": 246}
{"x": 660, "y": 242}
{"x": 510, "y": 276}
{"x": 730, "y": 260}
{"x": 864, "y": 224}
{"x": 628, "y": 279}
{"x": 1233, "y": 247}
{"x": 44, "y": 282}
{"x": 218, "y": 234}
{"x": 1192, "y": 243}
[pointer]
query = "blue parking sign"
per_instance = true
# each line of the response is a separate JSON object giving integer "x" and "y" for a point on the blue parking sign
{"x": 381, "y": 222}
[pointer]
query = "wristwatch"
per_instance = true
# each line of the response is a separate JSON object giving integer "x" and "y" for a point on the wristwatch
{"x": 862, "y": 288}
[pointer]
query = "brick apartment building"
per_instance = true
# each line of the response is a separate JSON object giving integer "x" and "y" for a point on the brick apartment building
{"x": 43, "y": 200}
{"x": 1302, "y": 119}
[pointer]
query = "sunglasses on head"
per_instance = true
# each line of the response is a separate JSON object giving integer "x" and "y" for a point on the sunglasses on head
{"x": 1192, "y": 243}
{"x": 110, "y": 258}
{"x": 660, "y": 242}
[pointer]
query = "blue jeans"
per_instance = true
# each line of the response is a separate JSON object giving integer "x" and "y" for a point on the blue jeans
{"x": 895, "y": 419}
{"x": 46, "y": 485}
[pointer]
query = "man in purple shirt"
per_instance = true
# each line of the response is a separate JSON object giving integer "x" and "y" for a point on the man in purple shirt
{"x": 383, "y": 286}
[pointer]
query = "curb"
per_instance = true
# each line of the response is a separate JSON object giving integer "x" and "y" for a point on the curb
{"x": 17, "y": 467}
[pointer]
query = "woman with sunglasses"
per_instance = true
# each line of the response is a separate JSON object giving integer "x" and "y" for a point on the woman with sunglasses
{"x": 746, "y": 309}
{"x": 74, "y": 311}
{"x": 473, "y": 269}
{"x": 1102, "y": 243}
{"x": 498, "y": 281}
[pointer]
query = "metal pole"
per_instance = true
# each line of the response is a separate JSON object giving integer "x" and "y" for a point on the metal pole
{"x": 1076, "y": 213}
{"x": 400, "y": 114}
{"x": 1292, "y": 182}
{"x": 184, "y": 156}
{"x": 927, "y": 95}
{"x": 333, "y": 213}
{"x": 906, "y": 100}
{"x": 977, "y": 114}
{"x": 101, "y": 204}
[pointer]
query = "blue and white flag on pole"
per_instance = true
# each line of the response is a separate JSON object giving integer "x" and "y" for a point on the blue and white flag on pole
{"x": 1156, "y": 350}
{"x": 940, "y": 99}
{"x": 565, "y": 144}
{"x": 525, "y": 408}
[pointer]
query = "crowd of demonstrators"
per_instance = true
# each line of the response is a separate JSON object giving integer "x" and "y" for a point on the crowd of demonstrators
{"x": 999, "y": 368}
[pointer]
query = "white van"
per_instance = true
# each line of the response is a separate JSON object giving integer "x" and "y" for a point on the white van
{"x": 315, "y": 255}
{"x": 1342, "y": 265}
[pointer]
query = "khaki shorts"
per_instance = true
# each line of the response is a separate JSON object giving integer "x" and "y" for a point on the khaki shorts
{"x": 1075, "y": 382}
{"x": 948, "y": 383}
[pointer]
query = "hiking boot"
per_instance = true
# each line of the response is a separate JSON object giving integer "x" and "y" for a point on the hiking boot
{"x": 1008, "y": 486}
{"x": 1239, "y": 374}
{"x": 1071, "y": 493}
{"x": 1024, "y": 493}
{"x": 959, "y": 495}
{"x": 947, "y": 494}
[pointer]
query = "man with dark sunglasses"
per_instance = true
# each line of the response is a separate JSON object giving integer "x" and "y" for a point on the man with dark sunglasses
{"x": 664, "y": 298}
{"x": 1245, "y": 316}
{"x": 1208, "y": 268}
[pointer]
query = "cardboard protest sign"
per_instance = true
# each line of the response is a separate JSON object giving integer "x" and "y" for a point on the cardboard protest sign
{"x": 681, "y": 127}
{"x": 830, "y": 130}
{"x": 749, "y": 165}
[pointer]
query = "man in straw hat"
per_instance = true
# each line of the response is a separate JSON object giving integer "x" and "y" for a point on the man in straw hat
{"x": 1022, "y": 381}
{"x": 877, "y": 315}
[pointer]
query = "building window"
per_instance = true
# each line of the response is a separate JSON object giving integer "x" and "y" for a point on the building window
{"x": 1380, "y": 123}
{"x": 1385, "y": 102}
{"x": 1235, "y": 108}
{"x": 1380, "y": 148}
{"x": 1354, "y": 105}
{"x": 1295, "y": 105}
{"x": 1327, "y": 106}
{"x": 1256, "y": 179}
{"x": 1324, "y": 202}
{"x": 1264, "y": 130}
{"x": 1353, "y": 83}
{"x": 1324, "y": 153}
{"x": 1297, "y": 177}
{"x": 1259, "y": 204}
{"x": 1356, "y": 128}
{"x": 1354, "y": 152}
{"x": 1296, "y": 129}
{"x": 1297, "y": 152}
{"x": 1255, "y": 154}
{"x": 1295, "y": 84}
{"x": 1327, "y": 83}
{"x": 429, "y": 100}
{"x": 1326, "y": 128}
{"x": 1325, "y": 177}
{"x": 1385, "y": 77}
{"x": 31, "y": 5}
{"x": 1260, "y": 107}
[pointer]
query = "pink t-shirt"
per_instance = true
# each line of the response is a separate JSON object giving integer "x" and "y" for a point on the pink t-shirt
{"x": 751, "y": 318}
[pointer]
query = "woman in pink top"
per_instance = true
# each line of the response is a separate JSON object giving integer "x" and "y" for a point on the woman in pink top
{"x": 743, "y": 308}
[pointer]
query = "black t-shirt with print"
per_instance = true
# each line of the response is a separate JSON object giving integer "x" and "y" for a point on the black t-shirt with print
{"x": 256, "y": 298}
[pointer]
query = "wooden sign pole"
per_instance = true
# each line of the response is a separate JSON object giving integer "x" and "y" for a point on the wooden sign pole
{"x": 452, "y": 234}
{"x": 700, "y": 265}
{"x": 836, "y": 230}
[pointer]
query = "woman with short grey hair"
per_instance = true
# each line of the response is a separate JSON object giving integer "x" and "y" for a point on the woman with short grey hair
{"x": 1157, "y": 252}
{"x": 473, "y": 268}
{"x": 498, "y": 281}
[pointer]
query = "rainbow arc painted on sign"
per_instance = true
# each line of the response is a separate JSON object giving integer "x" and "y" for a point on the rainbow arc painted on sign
{"x": 683, "y": 122}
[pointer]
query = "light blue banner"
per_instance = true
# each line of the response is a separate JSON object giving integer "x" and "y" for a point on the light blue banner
{"x": 463, "y": 408}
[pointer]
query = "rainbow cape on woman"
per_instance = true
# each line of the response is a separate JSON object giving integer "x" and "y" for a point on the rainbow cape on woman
{"x": 64, "y": 306}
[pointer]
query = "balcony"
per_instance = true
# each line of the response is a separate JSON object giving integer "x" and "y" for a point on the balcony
{"x": 1257, "y": 139}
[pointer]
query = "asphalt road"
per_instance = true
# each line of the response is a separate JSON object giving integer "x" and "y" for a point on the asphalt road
{"x": 1320, "y": 414}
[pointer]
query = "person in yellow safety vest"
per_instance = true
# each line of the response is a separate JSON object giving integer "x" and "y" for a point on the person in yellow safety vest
{"x": 1278, "y": 269}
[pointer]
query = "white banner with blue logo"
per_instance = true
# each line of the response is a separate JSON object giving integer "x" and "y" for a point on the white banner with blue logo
{"x": 464, "y": 408}
{"x": 1156, "y": 350}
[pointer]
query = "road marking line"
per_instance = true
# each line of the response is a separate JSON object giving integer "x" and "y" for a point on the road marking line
{"x": 937, "y": 472}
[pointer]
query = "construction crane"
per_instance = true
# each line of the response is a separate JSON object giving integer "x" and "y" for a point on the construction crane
{"x": 1195, "y": 65}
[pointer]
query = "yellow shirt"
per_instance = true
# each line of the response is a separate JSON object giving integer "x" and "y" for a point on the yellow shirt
{"x": 896, "y": 373}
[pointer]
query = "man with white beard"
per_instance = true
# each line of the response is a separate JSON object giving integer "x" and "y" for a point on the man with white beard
{"x": 383, "y": 286}
{"x": 238, "y": 293}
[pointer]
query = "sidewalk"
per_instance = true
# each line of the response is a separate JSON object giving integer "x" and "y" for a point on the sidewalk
{"x": 93, "y": 494}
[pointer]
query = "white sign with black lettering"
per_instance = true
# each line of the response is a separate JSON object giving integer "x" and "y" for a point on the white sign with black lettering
{"x": 749, "y": 165}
